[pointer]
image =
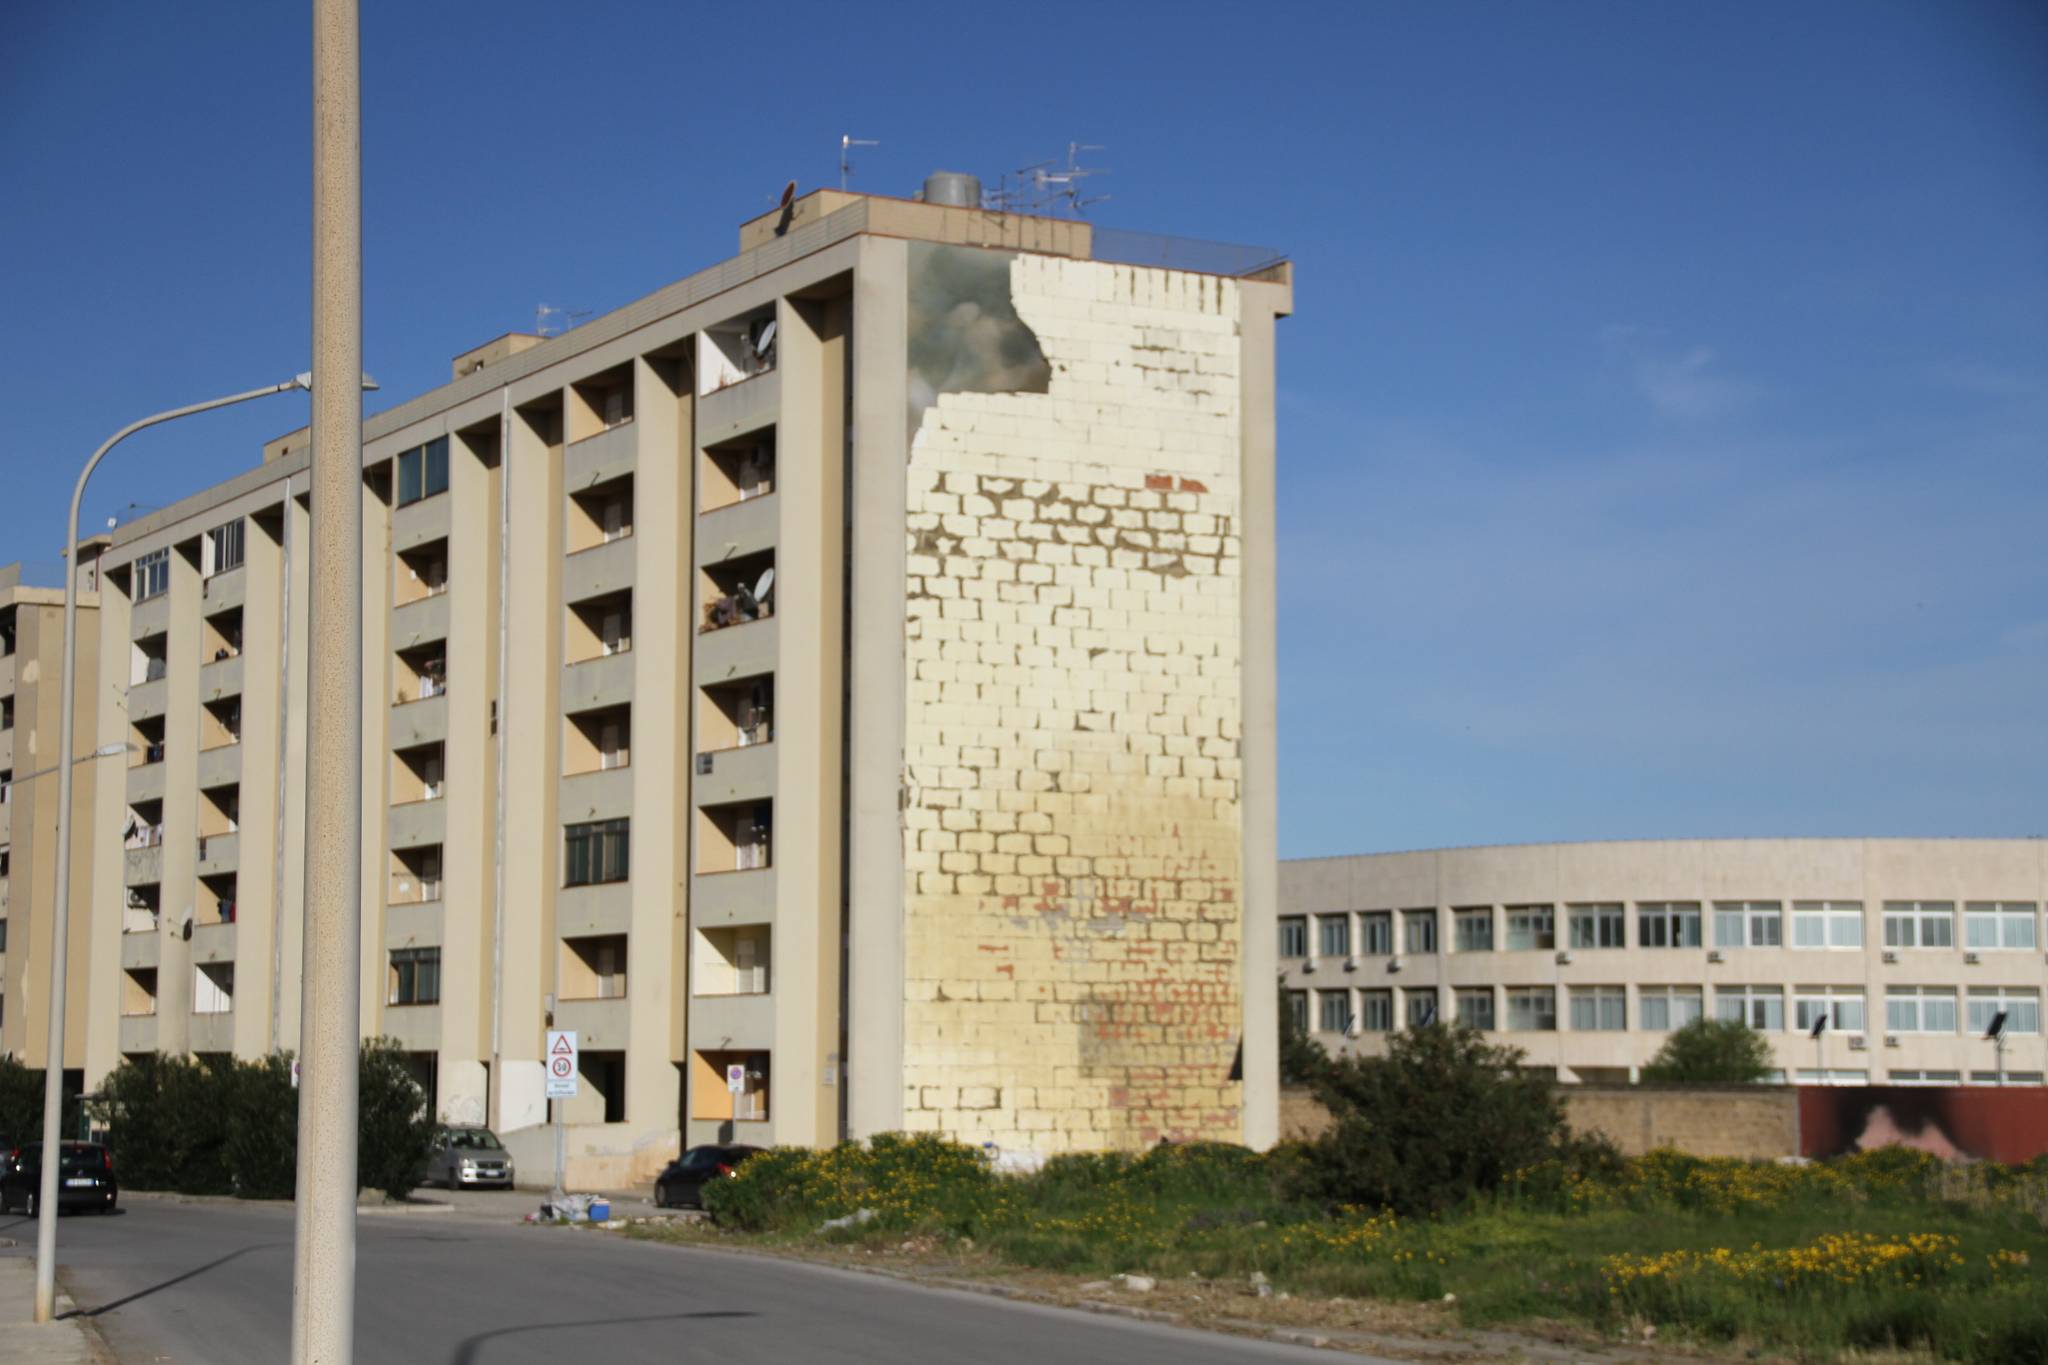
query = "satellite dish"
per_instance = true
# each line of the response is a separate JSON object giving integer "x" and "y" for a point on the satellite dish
{"x": 788, "y": 195}
{"x": 765, "y": 338}
{"x": 1820, "y": 1026}
{"x": 767, "y": 583}
{"x": 1997, "y": 1025}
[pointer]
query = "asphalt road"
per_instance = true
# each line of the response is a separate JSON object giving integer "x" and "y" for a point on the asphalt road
{"x": 210, "y": 1284}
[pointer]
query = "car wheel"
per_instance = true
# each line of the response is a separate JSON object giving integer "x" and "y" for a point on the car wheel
{"x": 661, "y": 1196}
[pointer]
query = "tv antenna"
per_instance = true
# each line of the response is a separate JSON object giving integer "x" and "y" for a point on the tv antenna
{"x": 1051, "y": 186}
{"x": 542, "y": 327}
{"x": 847, "y": 143}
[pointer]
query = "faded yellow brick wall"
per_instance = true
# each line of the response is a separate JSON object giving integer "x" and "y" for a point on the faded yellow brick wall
{"x": 1757, "y": 1123}
{"x": 1072, "y": 740}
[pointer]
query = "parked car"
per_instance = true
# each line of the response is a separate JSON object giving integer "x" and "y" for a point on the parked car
{"x": 681, "y": 1183}
{"x": 85, "y": 1178}
{"x": 466, "y": 1158}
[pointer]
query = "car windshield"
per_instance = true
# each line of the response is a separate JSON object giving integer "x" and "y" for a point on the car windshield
{"x": 474, "y": 1140}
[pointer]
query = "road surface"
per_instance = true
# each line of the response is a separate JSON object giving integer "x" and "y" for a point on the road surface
{"x": 210, "y": 1284}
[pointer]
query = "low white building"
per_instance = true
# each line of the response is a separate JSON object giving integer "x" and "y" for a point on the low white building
{"x": 1585, "y": 956}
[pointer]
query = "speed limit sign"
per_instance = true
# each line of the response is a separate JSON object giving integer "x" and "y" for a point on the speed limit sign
{"x": 561, "y": 1060}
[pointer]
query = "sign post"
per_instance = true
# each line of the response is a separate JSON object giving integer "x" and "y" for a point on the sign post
{"x": 562, "y": 1079}
{"x": 736, "y": 1086}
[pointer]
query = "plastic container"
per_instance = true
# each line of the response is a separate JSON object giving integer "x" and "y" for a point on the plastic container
{"x": 600, "y": 1210}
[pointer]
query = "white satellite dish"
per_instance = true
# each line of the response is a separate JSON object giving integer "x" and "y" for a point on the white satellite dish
{"x": 762, "y": 588}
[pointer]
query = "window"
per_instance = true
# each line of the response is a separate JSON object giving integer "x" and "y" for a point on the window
{"x": 1659, "y": 1009}
{"x": 1297, "y": 1010}
{"x": 1760, "y": 1007}
{"x": 1421, "y": 1009}
{"x": 1925, "y": 1077}
{"x": 223, "y": 549}
{"x": 1333, "y": 935}
{"x": 1597, "y": 926}
{"x": 1998, "y": 924}
{"x": 415, "y": 976}
{"x": 1474, "y": 930}
{"x": 595, "y": 852}
{"x": 152, "y": 575}
{"x": 1668, "y": 924}
{"x": 423, "y": 471}
{"x": 1475, "y": 1008}
{"x": 1418, "y": 931}
{"x": 2006, "y": 1078}
{"x": 1294, "y": 936}
{"x": 1748, "y": 924}
{"x": 1377, "y": 931}
{"x": 2022, "y": 1008}
{"x": 3, "y": 935}
{"x": 213, "y": 988}
{"x": 1376, "y": 1011}
{"x": 1919, "y": 924}
{"x": 1532, "y": 1009}
{"x": 593, "y": 967}
{"x": 1834, "y": 1075}
{"x": 1924, "y": 1009}
{"x": 1531, "y": 926}
{"x": 1333, "y": 1011}
{"x": 1841, "y": 1006}
{"x": 1599, "y": 1009}
{"x": 1827, "y": 924}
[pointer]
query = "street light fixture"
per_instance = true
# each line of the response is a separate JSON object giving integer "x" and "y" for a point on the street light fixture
{"x": 60, "y": 908}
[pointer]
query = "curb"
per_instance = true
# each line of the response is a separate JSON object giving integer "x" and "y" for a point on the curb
{"x": 170, "y": 1197}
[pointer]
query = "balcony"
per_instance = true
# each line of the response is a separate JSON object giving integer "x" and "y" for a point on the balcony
{"x": 748, "y": 1020}
{"x": 740, "y": 407}
{"x": 419, "y": 722}
{"x": 597, "y": 459}
{"x": 603, "y": 795}
{"x": 736, "y": 652}
{"x": 138, "y": 1033}
{"x": 213, "y": 1032}
{"x": 228, "y": 588}
{"x": 417, "y": 824}
{"x": 142, "y": 866}
{"x": 416, "y": 523}
{"x": 601, "y": 908}
{"x": 148, "y": 700}
{"x": 146, "y": 783}
{"x": 220, "y": 854}
{"x": 213, "y": 943}
{"x": 746, "y": 774}
{"x": 150, "y": 618}
{"x": 139, "y": 949}
{"x": 598, "y": 570}
{"x": 423, "y": 621}
{"x": 604, "y": 681}
{"x": 218, "y": 767}
{"x": 739, "y": 528}
{"x": 600, "y": 1025}
{"x": 217, "y": 679}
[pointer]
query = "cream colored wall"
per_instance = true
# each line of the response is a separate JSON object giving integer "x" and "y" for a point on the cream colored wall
{"x": 1870, "y": 871}
{"x": 256, "y": 911}
{"x": 1073, "y": 727}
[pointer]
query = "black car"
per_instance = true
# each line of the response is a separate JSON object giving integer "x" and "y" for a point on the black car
{"x": 681, "y": 1185}
{"x": 85, "y": 1178}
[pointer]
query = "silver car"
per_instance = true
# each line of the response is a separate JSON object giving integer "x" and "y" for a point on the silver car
{"x": 468, "y": 1158}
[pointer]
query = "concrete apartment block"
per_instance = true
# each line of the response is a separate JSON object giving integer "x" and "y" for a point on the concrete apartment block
{"x": 851, "y": 664}
{"x": 31, "y": 700}
{"x": 1586, "y": 955}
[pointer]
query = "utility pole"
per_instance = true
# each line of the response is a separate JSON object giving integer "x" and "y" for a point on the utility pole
{"x": 324, "y": 1250}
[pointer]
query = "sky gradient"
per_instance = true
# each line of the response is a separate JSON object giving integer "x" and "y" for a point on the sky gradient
{"x": 1664, "y": 421}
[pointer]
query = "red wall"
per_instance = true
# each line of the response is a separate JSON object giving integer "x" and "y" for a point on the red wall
{"x": 2002, "y": 1123}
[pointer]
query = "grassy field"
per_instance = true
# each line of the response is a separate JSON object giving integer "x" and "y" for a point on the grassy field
{"x": 1885, "y": 1251}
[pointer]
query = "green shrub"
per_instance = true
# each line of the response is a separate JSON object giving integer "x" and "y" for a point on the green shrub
{"x": 395, "y": 1129}
{"x": 1441, "y": 1118}
{"x": 21, "y": 1104}
{"x": 1711, "y": 1052}
{"x": 922, "y": 1182}
{"x": 263, "y": 1137}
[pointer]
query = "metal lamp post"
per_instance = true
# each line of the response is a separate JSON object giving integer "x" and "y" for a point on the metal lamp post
{"x": 60, "y": 916}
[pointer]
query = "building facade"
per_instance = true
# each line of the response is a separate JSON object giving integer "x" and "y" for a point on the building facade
{"x": 31, "y": 701}
{"x": 1586, "y": 956}
{"x": 852, "y": 664}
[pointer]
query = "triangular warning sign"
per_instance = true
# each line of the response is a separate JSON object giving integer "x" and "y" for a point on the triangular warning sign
{"x": 561, "y": 1047}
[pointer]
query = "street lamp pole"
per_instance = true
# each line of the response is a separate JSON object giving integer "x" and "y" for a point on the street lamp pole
{"x": 324, "y": 1245}
{"x": 60, "y": 910}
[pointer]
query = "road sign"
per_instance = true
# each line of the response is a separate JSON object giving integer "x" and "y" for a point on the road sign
{"x": 561, "y": 1059}
{"x": 736, "y": 1079}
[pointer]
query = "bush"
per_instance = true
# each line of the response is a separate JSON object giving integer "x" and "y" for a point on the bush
{"x": 1711, "y": 1052}
{"x": 262, "y": 1147}
{"x": 21, "y": 1104}
{"x": 922, "y": 1182}
{"x": 1441, "y": 1118}
{"x": 395, "y": 1123}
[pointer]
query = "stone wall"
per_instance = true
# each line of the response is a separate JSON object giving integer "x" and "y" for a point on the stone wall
{"x": 1072, "y": 743}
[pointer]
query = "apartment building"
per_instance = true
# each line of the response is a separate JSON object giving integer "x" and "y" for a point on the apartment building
{"x": 1586, "y": 956}
{"x": 852, "y": 663}
{"x": 31, "y": 702}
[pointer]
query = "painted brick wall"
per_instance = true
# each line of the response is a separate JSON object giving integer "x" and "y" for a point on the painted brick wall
{"x": 1071, "y": 793}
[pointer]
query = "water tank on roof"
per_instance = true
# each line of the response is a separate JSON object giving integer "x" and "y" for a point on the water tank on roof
{"x": 954, "y": 188}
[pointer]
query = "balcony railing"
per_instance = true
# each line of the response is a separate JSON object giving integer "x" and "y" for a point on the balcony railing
{"x": 144, "y": 836}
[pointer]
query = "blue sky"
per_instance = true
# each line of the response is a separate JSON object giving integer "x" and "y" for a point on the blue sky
{"x": 1664, "y": 422}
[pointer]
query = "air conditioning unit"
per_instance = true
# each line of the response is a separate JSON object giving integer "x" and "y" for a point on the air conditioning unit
{"x": 1890, "y": 956}
{"x": 1564, "y": 959}
{"x": 1351, "y": 963}
{"x": 1859, "y": 1043}
{"x": 1891, "y": 1040}
{"x": 1971, "y": 959}
{"x": 1393, "y": 965}
{"x": 1308, "y": 966}
{"x": 1715, "y": 956}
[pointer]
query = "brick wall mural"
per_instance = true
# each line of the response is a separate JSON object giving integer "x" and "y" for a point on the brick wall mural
{"x": 1072, "y": 764}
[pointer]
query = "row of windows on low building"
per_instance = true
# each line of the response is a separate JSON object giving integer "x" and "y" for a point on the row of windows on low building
{"x": 221, "y": 549}
{"x": 1605, "y": 1009}
{"x": 1986, "y": 925}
